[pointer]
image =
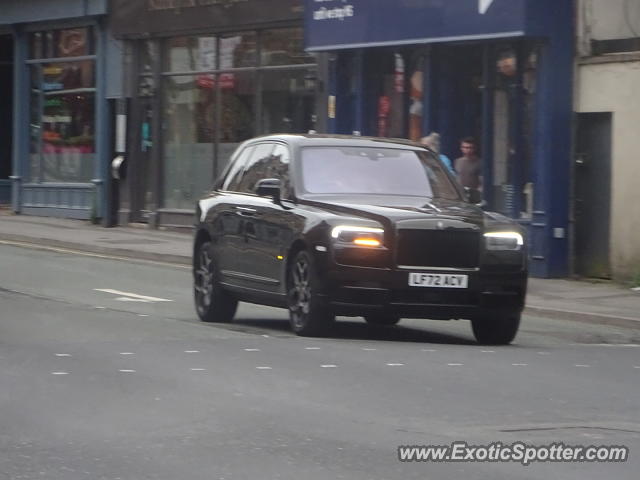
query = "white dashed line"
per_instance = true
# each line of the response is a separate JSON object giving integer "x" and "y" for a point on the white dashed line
{"x": 264, "y": 368}
{"x": 198, "y": 369}
{"x": 583, "y": 366}
{"x": 636, "y": 366}
{"x": 59, "y": 373}
{"x": 395, "y": 364}
{"x": 192, "y": 351}
{"x": 251, "y": 349}
{"x": 520, "y": 364}
{"x": 455, "y": 364}
{"x": 312, "y": 348}
{"x": 543, "y": 353}
{"x": 142, "y": 315}
{"x": 488, "y": 351}
{"x": 99, "y": 308}
{"x": 265, "y": 336}
{"x": 329, "y": 366}
{"x": 127, "y": 353}
{"x": 127, "y": 371}
{"x": 62, "y": 355}
{"x": 369, "y": 349}
{"x": 428, "y": 350}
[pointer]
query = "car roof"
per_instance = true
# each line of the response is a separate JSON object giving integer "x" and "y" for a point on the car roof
{"x": 327, "y": 140}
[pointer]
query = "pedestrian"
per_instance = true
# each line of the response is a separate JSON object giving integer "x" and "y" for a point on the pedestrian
{"x": 469, "y": 165}
{"x": 433, "y": 142}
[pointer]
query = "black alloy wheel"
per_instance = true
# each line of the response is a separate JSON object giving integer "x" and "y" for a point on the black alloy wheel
{"x": 499, "y": 328}
{"x": 378, "y": 319}
{"x": 306, "y": 314}
{"x": 213, "y": 303}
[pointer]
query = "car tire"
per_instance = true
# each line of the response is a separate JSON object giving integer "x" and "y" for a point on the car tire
{"x": 496, "y": 329}
{"x": 213, "y": 303}
{"x": 307, "y": 314}
{"x": 382, "y": 319}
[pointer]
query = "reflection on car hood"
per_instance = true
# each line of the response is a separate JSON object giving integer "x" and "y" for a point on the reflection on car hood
{"x": 398, "y": 208}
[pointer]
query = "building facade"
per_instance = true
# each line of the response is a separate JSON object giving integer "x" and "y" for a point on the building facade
{"x": 497, "y": 70}
{"x": 202, "y": 77}
{"x": 607, "y": 98}
{"x": 55, "y": 149}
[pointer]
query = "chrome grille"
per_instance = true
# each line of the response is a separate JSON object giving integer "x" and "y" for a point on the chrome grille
{"x": 438, "y": 248}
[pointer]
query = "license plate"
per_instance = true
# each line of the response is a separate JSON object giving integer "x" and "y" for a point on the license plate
{"x": 438, "y": 280}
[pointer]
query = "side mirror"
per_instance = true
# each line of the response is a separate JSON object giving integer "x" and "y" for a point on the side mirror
{"x": 473, "y": 195}
{"x": 269, "y": 187}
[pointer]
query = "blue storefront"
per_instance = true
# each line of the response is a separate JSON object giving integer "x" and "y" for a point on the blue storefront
{"x": 62, "y": 67}
{"x": 497, "y": 70}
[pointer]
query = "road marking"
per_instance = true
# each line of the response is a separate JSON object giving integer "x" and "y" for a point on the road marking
{"x": 99, "y": 308}
{"x": 395, "y": 364}
{"x": 264, "y": 368}
{"x": 455, "y": 364}
{"x": 131, "y": 297}
{"x": 428, "y": 350}
{"x": 127, "y": 353}
{"x": 543, "y": 353}
{"x": 369, "y": 349}
{"x": 520, "y": 364}
{"x": 583, "y": 366}
{"x": 329, "y": 366}
{"x": 127, "y": 371}
{"x": 59, "y": 373}
{"x": 192, "y": 351}
{"x": 142, "y": 315}
{"x": 62, "y": 355}
{"x": 636, "y": 366}
{"x": 611, "y": 345}
{"x": 265, "y": 336}
{"x": 312, "y": 348}
{"x": 488, "y": 351}
{"x": 251, "y": 349}
{"x": 198, "y": 369}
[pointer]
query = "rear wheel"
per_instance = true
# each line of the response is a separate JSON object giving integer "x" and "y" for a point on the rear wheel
{"x": 213, "y": 303}
{"x": 307, "y": 315}
{"x": 382, "y": 319}
{"x": 497, "y": 328}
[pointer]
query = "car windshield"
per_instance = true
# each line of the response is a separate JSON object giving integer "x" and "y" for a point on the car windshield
{"x": 374, "y": 171}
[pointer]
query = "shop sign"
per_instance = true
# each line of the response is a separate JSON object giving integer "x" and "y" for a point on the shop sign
{"x": 335, "y": 24}
{"x": 138, "y": 18}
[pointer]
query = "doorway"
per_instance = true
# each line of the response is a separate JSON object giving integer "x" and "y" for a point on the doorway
{"x": 6, "y": 117}
{"x": 592, "y": 198}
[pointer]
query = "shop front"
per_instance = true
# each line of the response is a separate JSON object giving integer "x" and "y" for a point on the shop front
{"x": 205, "y": 76}
{"x": 57, "y": 112}
{"x": 498, "y": 71}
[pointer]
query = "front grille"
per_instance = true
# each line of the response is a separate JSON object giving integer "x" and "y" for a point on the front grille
{"x": 438, "y": 248}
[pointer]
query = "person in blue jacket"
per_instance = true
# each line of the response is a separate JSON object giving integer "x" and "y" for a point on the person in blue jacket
{"x": 433, "y": 142}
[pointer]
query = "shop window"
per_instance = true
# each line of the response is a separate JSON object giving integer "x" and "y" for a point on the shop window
{"x": 284, "y": 47}
{"x": 189, "y": 102}
{"x": 191, "y": 53}
{"x": 238, "y": 50}
{"x": 71, "y": 42}
{"x": 288, "y": 101}
{"x": 237, "y": 105}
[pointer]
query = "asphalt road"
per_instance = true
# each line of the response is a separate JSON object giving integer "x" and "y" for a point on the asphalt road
{"x": 107, "y": 374}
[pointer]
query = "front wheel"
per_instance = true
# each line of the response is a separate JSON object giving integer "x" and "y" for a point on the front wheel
{"x": 307, "y": 315}
{"x": 213, "y": 303}
{"x": 496, "y": 329}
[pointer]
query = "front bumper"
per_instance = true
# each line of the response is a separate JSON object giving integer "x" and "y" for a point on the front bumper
{"x": 358, "y": 291}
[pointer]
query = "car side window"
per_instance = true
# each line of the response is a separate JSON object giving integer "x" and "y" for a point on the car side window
{"x": 235, "y": 173}
{"x": 278, "y": 167}
{"x": 255, "y": 168}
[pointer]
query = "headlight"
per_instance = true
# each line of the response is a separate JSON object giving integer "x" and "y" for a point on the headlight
{"x": 511, "y": 241}
{"x": 358, "y": 236}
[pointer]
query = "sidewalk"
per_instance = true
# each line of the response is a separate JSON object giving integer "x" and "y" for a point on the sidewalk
{"x": 603, "y": 303}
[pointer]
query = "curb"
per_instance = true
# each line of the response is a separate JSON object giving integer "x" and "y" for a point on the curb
{"x": 583, "y": 317}
{"x": 44, "y": 243}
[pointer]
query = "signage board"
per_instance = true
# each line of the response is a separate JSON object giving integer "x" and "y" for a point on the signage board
{"x": 140, "y": 18}
{"x": 335, "y": 24}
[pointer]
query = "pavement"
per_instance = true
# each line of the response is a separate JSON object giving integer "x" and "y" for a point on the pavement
{"x": 587, "y": 301}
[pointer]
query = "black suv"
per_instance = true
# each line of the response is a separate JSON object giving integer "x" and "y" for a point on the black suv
{"x": 335, "y": 225}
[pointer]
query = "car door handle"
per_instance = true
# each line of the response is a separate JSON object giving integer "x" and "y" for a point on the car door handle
{"x": 246, "y": 211}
